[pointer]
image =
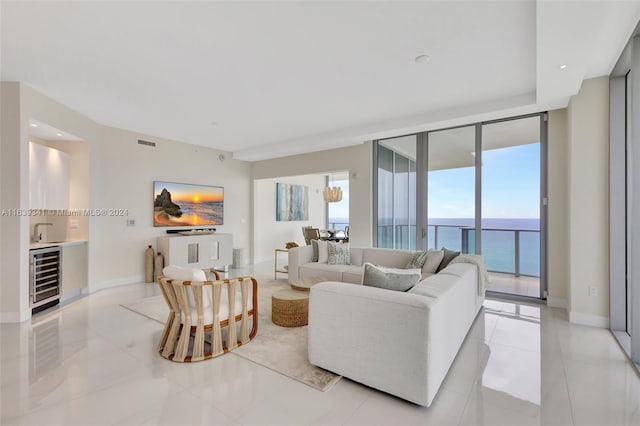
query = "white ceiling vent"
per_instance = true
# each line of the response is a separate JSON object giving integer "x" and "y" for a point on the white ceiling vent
{"x": 142, "y": 142}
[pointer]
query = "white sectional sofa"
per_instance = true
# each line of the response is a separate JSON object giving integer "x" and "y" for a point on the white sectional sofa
{"x": 402, "y": 343}
{"x": 301, "y": 264}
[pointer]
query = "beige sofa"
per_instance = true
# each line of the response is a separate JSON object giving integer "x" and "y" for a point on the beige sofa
{"x": 301, "y": 265}
{"x": 402, "y": 343}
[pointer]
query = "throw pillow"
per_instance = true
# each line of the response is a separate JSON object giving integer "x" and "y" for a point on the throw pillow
{"x": 390, "y": 278}
{"x": 448, "y": 257}
{"x": 189, "y": 274}
{"x": 434, "y": 258}
{"x": 184, "y": 274}
{"x": 417, "y": 260}
{"x": 323, "y": 251}
{"x": 339, "y": 254}
{"x": 314, "y": 244}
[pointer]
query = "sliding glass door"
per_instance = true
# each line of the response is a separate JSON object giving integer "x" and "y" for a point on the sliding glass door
{"x": 511, "y": 205}
{"x": 488, "y": 176}
{"x": 451, "y": 189}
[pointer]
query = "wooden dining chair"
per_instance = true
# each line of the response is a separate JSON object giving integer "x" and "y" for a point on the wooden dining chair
{"x": 311, "y": 234}
{"x": 346, "y": 234}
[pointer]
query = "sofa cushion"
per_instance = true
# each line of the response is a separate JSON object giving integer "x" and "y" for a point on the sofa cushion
{"x": 390, "y": 258}
{"x": 390, "y": 278}
{"x": 448, "y": 257}
{"x": 353, "y": 275}
{"x": 339, "y": 254}
{"x": 323, "y": 251}
{"x": 314, "y": 245}
{"x": 330, "y": 272}
{"x": 356, "y": 255}
{"x": 434, "y": 258}
{"x": 417, "y": 260}
{"x": 435, "y": 285}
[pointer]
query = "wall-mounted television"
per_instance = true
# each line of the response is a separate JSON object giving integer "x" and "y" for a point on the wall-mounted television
{"x": 184, "y": 204}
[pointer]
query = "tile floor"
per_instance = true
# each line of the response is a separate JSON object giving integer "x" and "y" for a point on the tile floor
{"x": 510, "y": 284}
{"x": 94, "y": 362}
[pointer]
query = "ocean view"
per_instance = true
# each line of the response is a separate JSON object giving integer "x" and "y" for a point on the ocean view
{"x": 498, "y": 240}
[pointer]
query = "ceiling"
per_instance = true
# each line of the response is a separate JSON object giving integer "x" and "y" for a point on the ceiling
{"x": 49, "y": 133}
{"x": 454, "y": 148}
{"x": 268, "y": 79}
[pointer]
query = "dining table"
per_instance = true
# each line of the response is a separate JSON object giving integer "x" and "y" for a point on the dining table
{"x": 333, "y": 235}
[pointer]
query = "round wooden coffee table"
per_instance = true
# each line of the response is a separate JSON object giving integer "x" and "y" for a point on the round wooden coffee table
{"x": 305, "y": 283}
{"x": 290, "y": 308}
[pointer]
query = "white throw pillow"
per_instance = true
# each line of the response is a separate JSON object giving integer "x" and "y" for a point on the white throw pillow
{"x": 323, "y": 251}
{"x": 184, "y": 274}
{"x": 434, "y": 257}
{"x": 390, "y": 278}
{"x": 339, "y": 254}
{"x": 190, "y": 274}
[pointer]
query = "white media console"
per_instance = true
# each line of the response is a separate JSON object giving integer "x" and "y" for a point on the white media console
{"x": 197, "y": 251}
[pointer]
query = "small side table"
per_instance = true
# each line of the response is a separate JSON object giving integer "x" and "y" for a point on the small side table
{"x": 290, "y": 308}
{"x": 276, "y": 268}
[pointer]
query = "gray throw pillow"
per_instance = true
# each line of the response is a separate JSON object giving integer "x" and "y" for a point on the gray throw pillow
{"x": 339, "y": 254}
{"x": 314, "y": 244}
{"x": 417, "y": 260}
{"x": 448, "y": 257}
{"x": 434, "y": 258}
{"x": 390, "y": 278}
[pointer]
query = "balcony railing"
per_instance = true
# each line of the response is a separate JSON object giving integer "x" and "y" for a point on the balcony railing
{"x": 338, "y": 226}
{"x": 510, "y": 251}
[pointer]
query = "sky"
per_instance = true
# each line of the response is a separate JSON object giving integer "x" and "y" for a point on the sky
{"x": 340, "y": 210}
{"x": 510, "y": 186}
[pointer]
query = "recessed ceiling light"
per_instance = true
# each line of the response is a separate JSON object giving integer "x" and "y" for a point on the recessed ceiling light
{"x": 563, "y": 66}
{"x": 34, "y": 125}
{"x": 58, "y": 134}
{"x": 214, "y": 123}
{"x": 422, "y": 58}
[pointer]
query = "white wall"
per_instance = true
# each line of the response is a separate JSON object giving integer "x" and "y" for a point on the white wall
{"x": 124, "y": 180}
{"x": 588, "y": 136}
{"x": 578, "y": 212}
{"x": 121, "y": 176}
{"x": 356, "y": 159}
{"x": 558, "y": 209}
{"x": 14, "y": 243}
{"x": 270, "y": 234}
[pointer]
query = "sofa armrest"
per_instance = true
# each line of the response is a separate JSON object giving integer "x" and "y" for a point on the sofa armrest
{"x": 298, "y": 256}
{"x": 373, "y": 336}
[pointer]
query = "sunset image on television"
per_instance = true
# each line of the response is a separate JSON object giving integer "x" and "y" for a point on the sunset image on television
{"x": 180, "y": 204}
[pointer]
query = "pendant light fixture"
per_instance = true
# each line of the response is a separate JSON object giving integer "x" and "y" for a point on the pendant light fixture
{"x": 332, "y": 194}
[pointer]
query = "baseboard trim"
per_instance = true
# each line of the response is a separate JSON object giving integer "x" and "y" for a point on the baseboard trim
{"x": 556, "y": 302}
{"x": 590, "y": 320}
{"x": 72, "y": 295}
{"x": 134, "y": 279}
{"x": 6, "y": 317}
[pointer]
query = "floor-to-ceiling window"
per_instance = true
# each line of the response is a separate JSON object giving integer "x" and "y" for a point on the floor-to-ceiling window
{"x": 451, "y": 189}
{"x": 488, "y": 176}
{"x": 511, "y": 152}
{"x": 396, "y": 201}
{"x": 624, "y": 199}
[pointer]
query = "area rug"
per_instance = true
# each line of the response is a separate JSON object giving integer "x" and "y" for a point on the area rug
{"x": 281, "y": 349}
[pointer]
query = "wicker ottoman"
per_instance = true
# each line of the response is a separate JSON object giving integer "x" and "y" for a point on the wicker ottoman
{"x": 290, "y": 308}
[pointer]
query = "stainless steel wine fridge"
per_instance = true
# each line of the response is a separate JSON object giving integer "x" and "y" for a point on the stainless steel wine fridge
{"x": 45, "y": 277}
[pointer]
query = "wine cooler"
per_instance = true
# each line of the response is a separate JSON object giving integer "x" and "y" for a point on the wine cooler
{"x": 45, "y": 277}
